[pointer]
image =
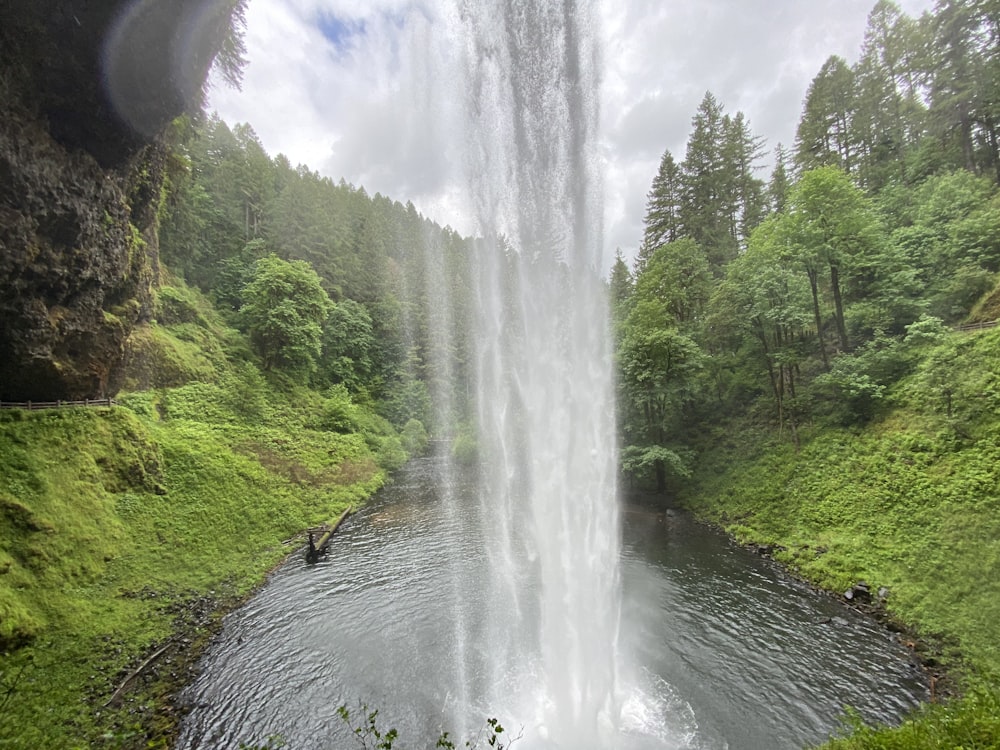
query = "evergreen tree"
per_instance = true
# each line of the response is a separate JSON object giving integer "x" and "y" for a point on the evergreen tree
{"x": 778, "y": 187}
{"x": 879, "y": 129}
{"x": 742, "y": 151}
{"x": 708, "y": 197}
{"x": 954, "y": 69}
{"x": 620, "y": 285}
{"x": 823, "y": 136}
{"x": 663, "y": 206}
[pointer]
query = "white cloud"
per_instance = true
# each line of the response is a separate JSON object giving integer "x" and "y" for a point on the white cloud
{"x": 372, "y": 109}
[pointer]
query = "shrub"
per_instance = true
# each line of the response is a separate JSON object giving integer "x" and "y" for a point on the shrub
{"x": 414, "y": 437}
{"x": 465, "y": 449}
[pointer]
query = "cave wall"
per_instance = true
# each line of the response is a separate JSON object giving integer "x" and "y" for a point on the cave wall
{"x": 86, "y": 90}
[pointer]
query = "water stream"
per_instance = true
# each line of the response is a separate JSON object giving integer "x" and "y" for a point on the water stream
{"x": 717, "y": 648}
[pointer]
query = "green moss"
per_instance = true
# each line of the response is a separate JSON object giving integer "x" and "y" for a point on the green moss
{"x": 910, "y": 503}
{"x": 972, "y": 723}
{"x": 112, "y": 519}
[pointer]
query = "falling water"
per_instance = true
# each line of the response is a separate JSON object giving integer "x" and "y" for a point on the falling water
{"x": 545, "y": 395}
{"x": 447, "y": 603}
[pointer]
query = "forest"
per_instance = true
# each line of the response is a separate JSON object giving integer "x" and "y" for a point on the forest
{"x": 807, "y": 360}
{"x": 769, "y": 333}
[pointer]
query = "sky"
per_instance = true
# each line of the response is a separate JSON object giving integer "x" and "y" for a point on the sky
{"x": 352, "y": 89}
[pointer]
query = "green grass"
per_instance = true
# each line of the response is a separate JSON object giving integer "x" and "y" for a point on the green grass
{"x": 972, "y": 723}
{"x": 121, "y": 527}
{"x": 910, "y": 502}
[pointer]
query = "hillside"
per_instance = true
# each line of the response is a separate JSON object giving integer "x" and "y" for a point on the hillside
{"x": 909, "y": 504}
{"x": 123, "y": 530}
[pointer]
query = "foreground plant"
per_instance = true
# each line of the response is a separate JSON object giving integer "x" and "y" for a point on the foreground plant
{"x": 372, "y": 737}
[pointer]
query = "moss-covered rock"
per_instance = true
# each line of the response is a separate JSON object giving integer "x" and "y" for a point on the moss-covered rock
{"x": 85, "y": 90}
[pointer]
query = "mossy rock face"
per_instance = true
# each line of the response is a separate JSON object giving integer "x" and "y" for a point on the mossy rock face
{"x": 154, "y": 359}
{"x": 69, "y": 260}
{"x": 81, "y": 172}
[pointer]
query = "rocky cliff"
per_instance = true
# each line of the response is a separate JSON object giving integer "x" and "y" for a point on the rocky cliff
{"x": 86, "y": 90}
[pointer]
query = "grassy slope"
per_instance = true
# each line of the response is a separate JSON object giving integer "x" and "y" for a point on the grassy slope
{"x": 911, "y": 503}
{"x": 117, "y": 526}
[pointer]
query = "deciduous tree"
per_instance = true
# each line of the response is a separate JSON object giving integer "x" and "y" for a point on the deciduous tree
{"x": 284, "y": 307}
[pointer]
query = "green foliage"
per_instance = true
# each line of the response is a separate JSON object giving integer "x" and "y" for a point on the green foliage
{"x": 908, "y": 503}
{"x": 620, "y": 287}
{"x": 112, "y": 519}
{"x": 387, "y": 268}
{"x": 677, "y": 276}
{"x": 950, "y": 241}
{"x": 414, "y": 437}
{"x": 970, "y": 723}
{"x": 857, "y": 385}
{"x": 409, "y": 399}
{"x": 820, "y": 400}
{"x": 721, "y": 200}
{"x": 235, "y": 273}
{"x": 465, "y": 447}
{"x": 339, "y": 413}
{"x": 823, "y": 137}
{"x": 177, "y": 304}
{"x": 349, "y": 345}
{"x": 641, "y": 461}
{"x": 284, "y": 307}
{"x": 368, "y": 732}
{"x": 372, "y": 737}
{"x": 663, "y": 208}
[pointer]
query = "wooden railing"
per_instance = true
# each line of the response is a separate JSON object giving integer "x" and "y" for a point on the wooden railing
{"x": 978, "y": 326}
{"x": 35, "y": 405}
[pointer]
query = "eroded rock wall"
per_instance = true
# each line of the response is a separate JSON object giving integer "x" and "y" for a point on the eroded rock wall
{"x": 86, "y": 89}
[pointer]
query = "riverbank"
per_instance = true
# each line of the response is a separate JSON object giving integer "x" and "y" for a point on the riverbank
{"x": 134, "y": 528}
{"x": 909, "y": 506}
{"x": 148, "y": 705}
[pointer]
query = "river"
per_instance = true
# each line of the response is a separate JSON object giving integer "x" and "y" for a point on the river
{"x": 717, "y": 648}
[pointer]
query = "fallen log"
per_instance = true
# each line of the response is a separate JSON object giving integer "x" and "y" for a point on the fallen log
{"x": 319, "y": 548}
{"x": 137, "y": 671}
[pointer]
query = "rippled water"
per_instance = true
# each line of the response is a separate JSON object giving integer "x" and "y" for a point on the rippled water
{"x": 717, "y": 648}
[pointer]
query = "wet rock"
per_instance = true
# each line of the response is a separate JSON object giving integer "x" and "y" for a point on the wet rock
{"x": 859, "y": 592}
{"x": 81, "y": 180}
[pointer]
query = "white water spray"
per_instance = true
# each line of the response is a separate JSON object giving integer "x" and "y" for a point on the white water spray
{"x": 545, "y": 388}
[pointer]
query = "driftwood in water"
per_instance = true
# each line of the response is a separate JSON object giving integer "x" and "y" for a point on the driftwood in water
{"x": 316, "y": 549}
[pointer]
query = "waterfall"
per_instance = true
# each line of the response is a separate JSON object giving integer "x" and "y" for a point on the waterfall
{"x": 544, "y": 393}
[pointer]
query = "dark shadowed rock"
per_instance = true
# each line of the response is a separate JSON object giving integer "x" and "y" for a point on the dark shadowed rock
{"x": 86, "y": 88}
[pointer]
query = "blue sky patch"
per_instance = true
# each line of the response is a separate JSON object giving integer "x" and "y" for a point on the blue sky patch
{"x": 338, "y": 30}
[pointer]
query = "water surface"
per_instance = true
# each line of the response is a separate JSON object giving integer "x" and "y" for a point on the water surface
{"x": 717, "y": 648}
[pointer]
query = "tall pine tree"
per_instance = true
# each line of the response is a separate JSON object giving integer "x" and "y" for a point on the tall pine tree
{"x": 663, "y": 206}
{"x": 823, "y": 137}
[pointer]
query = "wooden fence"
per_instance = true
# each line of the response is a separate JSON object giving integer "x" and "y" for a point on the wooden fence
{"x": 36, "y": 405}
{"x": 978, "y": 326}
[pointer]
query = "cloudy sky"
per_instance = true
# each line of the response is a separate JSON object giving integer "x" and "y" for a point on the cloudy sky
{"x": 352, "y": 88}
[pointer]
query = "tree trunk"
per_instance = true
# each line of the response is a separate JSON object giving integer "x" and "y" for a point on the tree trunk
{"x": 838, "y": 306}
{"x": 814, "y": 286}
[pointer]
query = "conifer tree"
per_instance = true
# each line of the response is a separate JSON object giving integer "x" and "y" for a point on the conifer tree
{"x": 663, "y": 206}
{"x": 823, "y": 137}
{"x": 879, "y": 131}
{"x": 707, "y": 206}
{"x": 742, "y": 150}
{"x": 778, "y": 187}
{"x": 620, "y": 282}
